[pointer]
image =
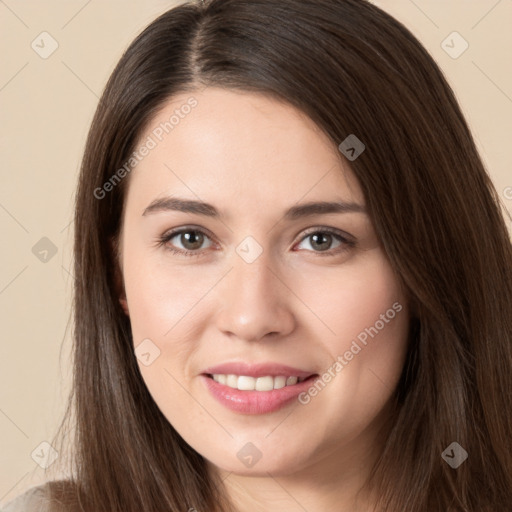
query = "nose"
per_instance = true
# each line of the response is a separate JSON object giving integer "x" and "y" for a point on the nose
{"x": 254, "y": 302}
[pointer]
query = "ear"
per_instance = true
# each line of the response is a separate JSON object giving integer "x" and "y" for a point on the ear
{"x": 118, "y": 275}
{"x": 124, "y": 305}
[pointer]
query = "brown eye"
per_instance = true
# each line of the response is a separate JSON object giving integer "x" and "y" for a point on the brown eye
{"x": 322, "y": 241}
{"x": 188, "y": 242}
{"x": 326, "y": 241}
{"x": 191, "y": 240}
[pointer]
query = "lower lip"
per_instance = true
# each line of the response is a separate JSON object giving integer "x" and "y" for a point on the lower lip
{"x": 255, "y": 402}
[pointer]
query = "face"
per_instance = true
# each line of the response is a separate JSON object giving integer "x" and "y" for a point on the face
{"x": 270, "y": 331}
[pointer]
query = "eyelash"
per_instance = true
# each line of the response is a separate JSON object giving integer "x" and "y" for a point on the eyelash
{"x": 346, "y": 243}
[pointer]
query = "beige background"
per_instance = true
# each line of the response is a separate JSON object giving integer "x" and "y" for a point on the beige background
{"x": 46, "y": 107}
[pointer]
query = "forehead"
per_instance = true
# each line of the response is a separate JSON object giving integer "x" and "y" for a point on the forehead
{"x": 233, "y": 144}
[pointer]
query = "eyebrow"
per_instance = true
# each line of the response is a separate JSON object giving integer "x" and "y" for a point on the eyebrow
{"x": 295, "y": 212}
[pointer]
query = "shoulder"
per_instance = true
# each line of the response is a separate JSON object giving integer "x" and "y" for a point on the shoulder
{"x": 39, "y": 499}
{"x": 30, "y": 501}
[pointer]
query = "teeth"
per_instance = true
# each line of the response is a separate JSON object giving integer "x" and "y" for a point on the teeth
{"x": 246, "y": 383}
{"x": 290, "y": 381}
{"x": 232, "y": 381}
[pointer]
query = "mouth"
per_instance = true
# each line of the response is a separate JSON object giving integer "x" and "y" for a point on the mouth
{"x": 256, "y": 389}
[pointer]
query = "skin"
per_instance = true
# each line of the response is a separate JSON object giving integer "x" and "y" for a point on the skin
{"x": 252, "y": 157}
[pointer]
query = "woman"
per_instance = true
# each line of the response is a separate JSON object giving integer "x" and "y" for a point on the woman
{"x": 293, "y": 279}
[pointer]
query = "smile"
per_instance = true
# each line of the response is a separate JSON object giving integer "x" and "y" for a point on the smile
{"x": 256, "y": 388}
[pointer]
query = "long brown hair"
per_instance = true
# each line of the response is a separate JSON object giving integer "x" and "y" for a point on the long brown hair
{"x": 353, "y": 69}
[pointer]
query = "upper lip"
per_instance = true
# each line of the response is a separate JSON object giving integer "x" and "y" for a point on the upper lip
{"x": 257, "y": 370}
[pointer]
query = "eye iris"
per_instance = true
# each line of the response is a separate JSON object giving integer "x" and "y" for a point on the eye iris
{"x": 318, "y": 240}
{"x": 194, "y": 240}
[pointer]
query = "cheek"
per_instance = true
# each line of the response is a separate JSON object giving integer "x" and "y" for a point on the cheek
{"x": 165, "y": 303}
{"x": 355, "y": 301}
{"x": 161, "y": 297}
{"x": 161, "y": 305}
{"x": 367, "y": 311}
